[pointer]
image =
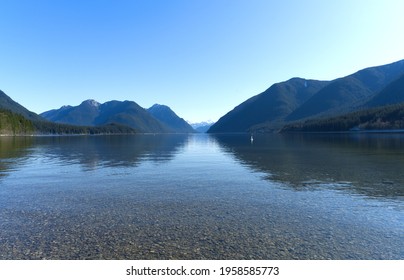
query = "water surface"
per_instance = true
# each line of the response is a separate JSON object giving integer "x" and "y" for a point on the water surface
{"x": 202, "y": 197}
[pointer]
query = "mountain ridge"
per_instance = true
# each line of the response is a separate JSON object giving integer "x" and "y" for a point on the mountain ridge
{"x": 274, "y": 104}
{"x": 281, "y": 104}
{"x": 156, "y": 119}
{"x": 93, "y": 113}
{"x": 7, "y": 103}
{"x": 170, "y": 119}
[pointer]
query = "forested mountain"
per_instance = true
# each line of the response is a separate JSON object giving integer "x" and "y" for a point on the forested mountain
{"x": 299, "y": 99}
{"x": 392, "y": 94}
{"x": 92, "y": 113}
{"x": 9, "y": 104}
{"x": 17, "y": 120}
{"x": 273, "y": 105}
{"x": 170, "y": 119}
{"x": 14, "y": 124}
{"x": 381, "y": 118}
{"x": 345, "y": 94}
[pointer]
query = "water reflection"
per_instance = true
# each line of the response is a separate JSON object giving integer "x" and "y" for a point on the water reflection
{"x": 370, "y": 165}
{"x": 191, "y": 197}
{"x": 91, "y": 152}
{"x": 12, "y": 150}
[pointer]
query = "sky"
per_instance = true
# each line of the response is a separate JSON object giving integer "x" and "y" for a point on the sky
{"x": 200, "y": 57}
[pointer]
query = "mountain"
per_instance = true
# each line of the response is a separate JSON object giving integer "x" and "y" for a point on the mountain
{"x": 9, "y": 104}
{"x": 92, "y": 113}
{"x": 84, "y": 114}
{"x": 298, "y": 99}
{"x": 273, "y": 105}
{"x": 345, "y": 94}
{"x": 14, "y": 124}
{"x": 392, "y": 94}
{"x": 17, "y": 120}
{"x": 202, "y": 127}
{"x": 389, "y": 117}
{"x": 166, "y": 116}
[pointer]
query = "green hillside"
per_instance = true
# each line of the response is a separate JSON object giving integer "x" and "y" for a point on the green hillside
{"x": 6, "y": 103}
{"x": 14, "y": 124}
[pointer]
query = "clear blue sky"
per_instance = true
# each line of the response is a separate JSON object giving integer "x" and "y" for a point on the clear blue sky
{"x": 200, "y": 57}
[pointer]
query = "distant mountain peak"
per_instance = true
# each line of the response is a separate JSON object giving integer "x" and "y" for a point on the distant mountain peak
{"x": 91, "y": 102}
{"x": 158, "y": 106}
{"x": 169, "y": 118}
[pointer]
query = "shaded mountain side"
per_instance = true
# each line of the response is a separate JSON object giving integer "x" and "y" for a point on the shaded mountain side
{"x": 273, "y": 105}
{"x": 131, "y": 114}
{"x": 392, "y": 94}
{"x": 340, "y": 96}
{"x": 9, "y": 104}
{"x": 92, "y": 113}
{"x": 380, "y": 118}
{"x": 345, "y": 94}
{"x": 51, "y": 115}
{"x": 83, "y": 114}
{"x": 170, "y": 119}
{"x": 299, "y": 99}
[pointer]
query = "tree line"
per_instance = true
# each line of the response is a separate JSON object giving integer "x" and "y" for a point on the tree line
{"x": 382, "y": 118}
{"x": 15, "y": 124}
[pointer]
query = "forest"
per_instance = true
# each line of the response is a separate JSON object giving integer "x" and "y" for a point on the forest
{"x": 16, "y": 124}
{"x": 381, "y": 118}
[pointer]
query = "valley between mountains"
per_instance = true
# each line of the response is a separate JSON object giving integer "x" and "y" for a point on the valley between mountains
{"x": 370, "y": 99}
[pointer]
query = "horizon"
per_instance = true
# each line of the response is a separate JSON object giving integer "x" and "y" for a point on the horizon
{"x": 200, "y": 58}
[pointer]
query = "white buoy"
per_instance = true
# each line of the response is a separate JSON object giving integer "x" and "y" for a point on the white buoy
{"x": 252, "y": 139}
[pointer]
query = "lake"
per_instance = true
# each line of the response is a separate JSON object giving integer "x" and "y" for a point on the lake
{"x": 198, "y": 196}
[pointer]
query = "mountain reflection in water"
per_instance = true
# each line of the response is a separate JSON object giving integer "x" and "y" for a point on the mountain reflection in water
{"x": 369, "y": 164}
{"x": 202, "y": 197}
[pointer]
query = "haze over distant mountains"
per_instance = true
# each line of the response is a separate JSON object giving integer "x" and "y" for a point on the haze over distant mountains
{"x": 298, "y": 99}
{"x": 202, "y": 127}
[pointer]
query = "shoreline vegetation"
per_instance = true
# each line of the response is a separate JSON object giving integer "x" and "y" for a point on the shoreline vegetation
{"x": 14, "y": 124}
{"x": 381, "y": 119}
{"x": 386, "y": 119}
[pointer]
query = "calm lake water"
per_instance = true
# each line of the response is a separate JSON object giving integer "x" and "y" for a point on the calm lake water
{"x": 202, "y": 197}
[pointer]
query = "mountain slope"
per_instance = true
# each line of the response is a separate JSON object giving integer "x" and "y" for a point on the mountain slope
{"x": 165, "y": 115}
{"x": 345, "y": 94}
{"x": 92, "y": 113}
{"x": 14, "y": 124}
{"x": 17, "y": 120}
{"x": 9, "y": 104}
{"x": 83, "y": 114}
{"x": 292, "y": 101}
{"x": 392, "y": 94}
{"x": 131, "y": 114}
{"x": 379, "y": 118}
{"x": 273, "y": 105}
